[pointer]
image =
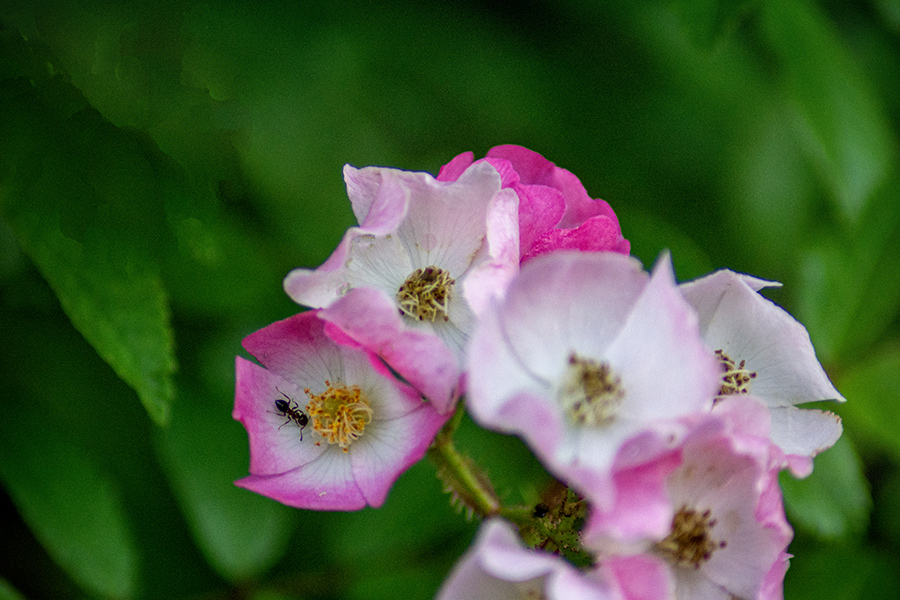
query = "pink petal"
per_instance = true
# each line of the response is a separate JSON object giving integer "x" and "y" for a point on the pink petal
{"x": 324, "y": 484}
{"x": 386, "y": 210}
{"x": 490, "y": 278}
{"x": 453, "y": 169}
{"x": 293, "y": 348}
{"x": 597, "y": 234}
{"x": 535, "y": 169}
{"x": 370, "y": 318}
{"x": 391, "y": 449}
{"x": 660, "y": 342}
{"x": 275, "y": 445}
{"x": 639, "y": 577}
{"x": 736, "y": 319}
{"x": 642, "y": 506}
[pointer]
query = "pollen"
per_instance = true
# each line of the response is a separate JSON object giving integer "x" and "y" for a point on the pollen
{"x": 736, "y": 377}
{"x": 690, "y": 542}
{"x": 425, "y": 295}
{"x": 339, "y": 414}
{"x": 591, "y": 392}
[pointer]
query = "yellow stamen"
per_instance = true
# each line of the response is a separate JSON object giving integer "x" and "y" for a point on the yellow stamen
{"x": 339, "y": 414}
{"x": 689, "y": 543}
{"x": 591, "y": 392}
{"x": 736, "y": 378}
{"x": 426, "y": 294}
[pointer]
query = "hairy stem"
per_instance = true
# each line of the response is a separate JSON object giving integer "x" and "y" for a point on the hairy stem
{"x": 462, "y": 477}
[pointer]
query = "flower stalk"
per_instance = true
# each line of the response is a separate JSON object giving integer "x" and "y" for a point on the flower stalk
{"x": 462, "y": 477}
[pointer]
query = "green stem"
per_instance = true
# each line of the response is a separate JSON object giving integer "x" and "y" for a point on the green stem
{"x": 463, "y": 478}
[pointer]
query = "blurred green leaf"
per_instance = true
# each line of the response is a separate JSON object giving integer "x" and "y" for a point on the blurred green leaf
{"x": 379, "y": 539}
{"x": 8, "y": 592}
{"x": 834, "y": 501}
{"x": 772, "y": 193}
{"x": 650, "y": 236}
{"x": 203, "y": 452}
{"x": 873, "y": 400}
{"x": 408, "y": 581}
{"x": 70, "y": 505}
{"x": 709, "y": 21}
{"x": 849, "y": 291}
{"x": 886, "y": 517}
{"x": 845, "y": 127}
{"x": 845, "y": 572}
{"x": 83, "y": 200}
{"x": 890, "y": 12}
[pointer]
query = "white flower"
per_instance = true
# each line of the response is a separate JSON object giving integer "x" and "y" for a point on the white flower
{"x": 768, "y": 354}
{"x": 584, "y": 353}
{"x": 426, "y": 257}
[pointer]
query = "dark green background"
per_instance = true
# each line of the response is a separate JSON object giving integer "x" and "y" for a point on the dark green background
{"x": 163, "y": 165}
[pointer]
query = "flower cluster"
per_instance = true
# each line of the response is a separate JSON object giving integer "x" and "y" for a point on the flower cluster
{"x": 664, "y": 411}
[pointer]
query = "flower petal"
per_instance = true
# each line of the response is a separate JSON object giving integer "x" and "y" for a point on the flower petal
{"x": 597, "y": 234}
{"x": 390, "y": 449}
{"x": 386, "y": 210}
{"x": 324, "y": 484}
{"x": 275, "y": 444}
{"x": 292, "y": 349}
{"x": 805, "y": 432}
{"x": 489, "y": 279}
{"x": 371, "y": 319}
{"x": 535, "y": 169}
{"x": 747, "y": 326}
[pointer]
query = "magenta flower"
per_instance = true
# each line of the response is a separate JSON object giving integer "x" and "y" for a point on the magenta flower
{"x": 767, "y": 353}
{"x": 727, "y": 536}
{"x": 498, "y": 566}
{"x": 329, "y": 428}
{"x": 408, "y": 281}
{"x": 585, "y": 353}
{"x": 555, "y": 211}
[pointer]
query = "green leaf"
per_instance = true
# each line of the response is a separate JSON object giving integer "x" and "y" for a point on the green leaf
{"x": 71, "y": 506}
{"x": 709, "y": 21}
{"x": 83, "y": 199}
{"x": 203, "y": 452}
{"x": 873, "y": 400}
{"x": 844, "y": 126}
{"x": 834, "y": 501}
{"x": 8, "y": 592}
{"x": 845, "y": 572}
{"x": 849, "y": 292}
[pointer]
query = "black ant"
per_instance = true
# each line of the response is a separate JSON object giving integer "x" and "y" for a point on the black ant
{"x": 290, "y": 409}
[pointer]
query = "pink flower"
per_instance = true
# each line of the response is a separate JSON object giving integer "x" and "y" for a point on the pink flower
{"x": 498, "y": 566}
{"x": 767, "y": 353}
{"x": 727, "y": 536}
{"x": 585, "y": 353}
{"x": 408, "y": 282}
{"x": 329, "y": 428}
{"x": 555, "y": 211}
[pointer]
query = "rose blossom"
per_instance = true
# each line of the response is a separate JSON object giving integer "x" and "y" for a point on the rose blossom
{"x": 407, "y": 282}
{"x": 728, "y": 535}
{"x": 765, "y": 352}
{"x": 555, "y": 211}
{"x": 584, "y": 353}
{"x": 329, "y": 427}
{"x": 498, "y": 566}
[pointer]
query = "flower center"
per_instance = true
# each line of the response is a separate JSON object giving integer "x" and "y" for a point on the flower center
{"x": 736, "y": 379}
{"x": 689, "y": 543}
{"x": 339, "y": 414}
{"x": 426, "y": 294}
{"x": 591, "y": 392}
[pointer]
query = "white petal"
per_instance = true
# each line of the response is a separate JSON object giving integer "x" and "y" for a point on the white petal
{"x": 804, "y": 432}
{"x": 746, "y": 326}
